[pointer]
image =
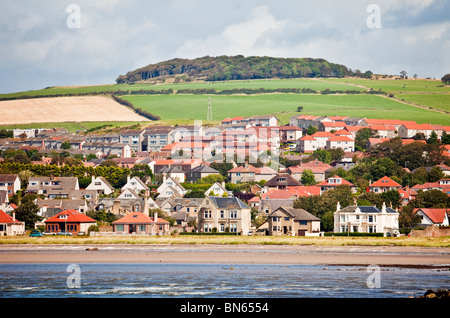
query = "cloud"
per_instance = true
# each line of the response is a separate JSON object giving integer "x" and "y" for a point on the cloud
{"x": 247, "y": 37}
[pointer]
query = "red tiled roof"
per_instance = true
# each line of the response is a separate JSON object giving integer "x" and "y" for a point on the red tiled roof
{"x": 73, "y": 216}
{"x": 386, "y": 182}
{"x": 138, "y": 218}
{"x": 343, "y": 181}
{"x": 435, "y": 215}
{"x": 322, "y": 134}
{"x": 340, "y": 138}
{"x": 6, "y": 218}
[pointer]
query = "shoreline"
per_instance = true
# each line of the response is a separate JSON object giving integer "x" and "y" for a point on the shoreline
{"x": 383, "y": 256}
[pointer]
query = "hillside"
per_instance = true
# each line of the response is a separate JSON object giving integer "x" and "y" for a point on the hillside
{"x": 238, "y": 67}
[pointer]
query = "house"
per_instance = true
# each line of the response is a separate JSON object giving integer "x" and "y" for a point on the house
{"x": 123, "y": 206}
{"x": 245, "y": 173}
{"x": 137, "y": 185}
{"x": 224, "y": 215}
{"x": 438, "y": 217}
{"x": 333, "y": 182}
{"x": 48, "y": 208}
{"x": 391, "y": 122}
{"x": 171, "y": 187}
{"x": 407, "y": 194}
{"x": 70, "y": 221}
{"x": 10, "y": 183}
{"x": 156, "y": 138}
{"x": 307, "y": 144}
{"x": 9, "y": 225}
{"x": 384, "y": 184}
{"x": 331, "y": 126}
{"x": 410, "y": 130}
{"x": 344, "y": 142}
{"x": 100, "y": 185}
{"x": 133, "y": 138}
{"x": 45, "y": 185}
{"x": 366, "y": 219}
{"x": 281, "y": 181}
{"x": 290, "y": 133}
{"x": 294, "y": 222}
{"x": 384, "y": 131}
{"x": 322, "y": 137}
{"x": 141, "y": 224}
{"x": 317, "y": 167}
{"x": 199, "y": 172}
{"x": 218, "y": 190}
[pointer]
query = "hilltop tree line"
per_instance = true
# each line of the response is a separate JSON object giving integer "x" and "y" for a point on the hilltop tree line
{"x": 223, "y": 68}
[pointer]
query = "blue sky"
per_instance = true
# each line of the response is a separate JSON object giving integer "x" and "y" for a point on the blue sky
{"x": 39, "y": 49}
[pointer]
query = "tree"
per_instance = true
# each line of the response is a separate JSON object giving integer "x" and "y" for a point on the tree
{"x": 433, "y": 138}
{"x": 403, "y": 74}
{"x": 322, "y": 155}
{"x": 299, "y": 109}
{"x": 28, "y": 211}
{"x": 363, "y": 135}
{"x": 446, "y": 79}
{"x": 311, "y": 130}
{"x": 66, "y": 145}
{"x": 445, "y": 138}
{"x": 308, "y": 178}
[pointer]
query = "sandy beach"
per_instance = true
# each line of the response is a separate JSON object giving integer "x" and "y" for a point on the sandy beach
{"x": 228, "y": 254}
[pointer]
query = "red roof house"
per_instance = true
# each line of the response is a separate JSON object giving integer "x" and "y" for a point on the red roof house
{"x": 9, "y": 225}
{"x": 71, "y": 221}
{"x": 437, "y": 217}
{"x": 141, "y": 223}
{"x": 383, "y": 185}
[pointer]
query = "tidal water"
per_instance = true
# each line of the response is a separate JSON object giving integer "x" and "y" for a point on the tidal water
{"x": 215, "y": 281}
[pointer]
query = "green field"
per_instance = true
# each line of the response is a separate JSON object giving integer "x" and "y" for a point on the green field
{"x": 195, "y": 107}
{"x": 431, "y": 95}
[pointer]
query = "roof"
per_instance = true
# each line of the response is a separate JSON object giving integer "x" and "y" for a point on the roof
{"x": 298, "y": 214}
{"x": 322, "y": 134}
{"x": 138, "y": 218}
{"x": 73, "y": 216}
{"x": 385, "y": 182}
{"x": 366, "y": 209}
{"x": 8, "y": 219}
{"x": 343, "y": 182}
{"x": 228, "y": 202}
{"x": 283, "y": 179}
{"x": 340, "y": 138}
{"x": 8, "y": 177}
{"x": 435, "y": 215}
{"x": 248, "y": 168}
{"x": 203, "y": 169}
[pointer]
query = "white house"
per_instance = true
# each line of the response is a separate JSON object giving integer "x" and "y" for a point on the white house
{"x": 219, "y": 190}
{"x": 100, "y": 185}
{"x": 366, "y": 219}
{"x": 438, "y": 217}
{"x": 307, "y": 144}
{"x": 10, "y": 226}
{"x": 409, "y": 130}
{"x": 171, "y": 187}
{"x": 136, "y": 184}
{"x": 10, "y": 183}
{"x": 344, "y": 142}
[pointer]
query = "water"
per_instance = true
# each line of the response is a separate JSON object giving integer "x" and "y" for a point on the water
{"x": 216, "y": 281}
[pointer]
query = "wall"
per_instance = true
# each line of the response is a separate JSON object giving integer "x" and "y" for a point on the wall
{"x": 431, "y": 231}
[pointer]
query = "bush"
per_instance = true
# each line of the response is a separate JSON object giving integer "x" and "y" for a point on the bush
{"x": 354, "y": 234}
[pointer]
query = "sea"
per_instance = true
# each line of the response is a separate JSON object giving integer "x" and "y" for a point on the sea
{"x": 226, "y": 281}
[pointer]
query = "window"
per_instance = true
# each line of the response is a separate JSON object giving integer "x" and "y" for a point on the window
{"x": 303, "y": 222}
{"x": 342, "y": 218}
{"x": 222, "y": 214}
{"x": 63, "y": 216}
{"x": 286, "y": 218}
{"x": 141, "y": 228}
{"x": 233, "y": 214}
{"x": 207, "y": 214}
{"x": 119, "y": 227}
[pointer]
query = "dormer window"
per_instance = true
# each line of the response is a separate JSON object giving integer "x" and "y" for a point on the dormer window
{"x": 63, "y": 216}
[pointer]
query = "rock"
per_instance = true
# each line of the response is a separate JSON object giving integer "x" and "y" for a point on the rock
{"x": 440, "y": 293}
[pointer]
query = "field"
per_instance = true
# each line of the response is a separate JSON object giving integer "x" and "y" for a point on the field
{"x": 424, "y": 101}
{"x": 195, "y": 107}
{"x": 65, "y": 109}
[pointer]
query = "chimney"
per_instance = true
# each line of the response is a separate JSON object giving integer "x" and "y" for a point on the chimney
{"x": 14, "y": 216}
{"x": 92, "y": 178}
{"x": 128, "y": 178}
{"x": 155, "y": 217}
{"x": 383, "y": 208}
{"x": 338, "y": 208}
{"x": 146, "y": 208}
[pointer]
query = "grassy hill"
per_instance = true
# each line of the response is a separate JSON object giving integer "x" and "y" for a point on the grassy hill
{"x": 404, "y": 99}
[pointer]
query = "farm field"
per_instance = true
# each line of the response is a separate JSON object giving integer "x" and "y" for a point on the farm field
{"x": 431, "y": 99}
{"x": 65, "y": 109}
{"x": 195, "y": 107}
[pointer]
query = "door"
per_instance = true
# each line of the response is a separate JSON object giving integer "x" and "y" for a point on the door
{"x": 301, "y": 232}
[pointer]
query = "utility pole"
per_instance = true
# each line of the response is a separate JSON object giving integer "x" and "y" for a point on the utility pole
{"x": 209, "y": 115}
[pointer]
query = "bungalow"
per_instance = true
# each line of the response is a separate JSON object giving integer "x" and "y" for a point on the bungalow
{"x": 70, "y": 221}
{"x": 224, "y": 215}
{"x": 100, "y": 185}
{"x": 9, "y": 225}
{"x": 142, "y": 224}
{"x": 333, "y": 182}
{"x": 438, "y": 217}
{"x": 47, "y": 208}
{"x": 295, "y": 222}
{"x": 366, "y": 219}
{"x": 384, "y": 184}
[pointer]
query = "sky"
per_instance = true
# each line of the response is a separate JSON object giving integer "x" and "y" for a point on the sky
{"x": 79, "y": 42}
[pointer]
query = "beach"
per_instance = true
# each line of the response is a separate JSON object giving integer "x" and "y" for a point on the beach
{"x": 401, "y": 256}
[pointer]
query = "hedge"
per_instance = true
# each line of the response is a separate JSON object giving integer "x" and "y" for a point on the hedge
{"x": 354, "y": 234}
